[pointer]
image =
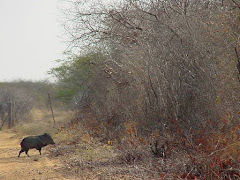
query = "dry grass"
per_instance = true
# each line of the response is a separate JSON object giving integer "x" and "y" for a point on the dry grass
{"x": 84, "y": 157}
{"x": 42, "y": 122}
{"x": 103, "y": 161}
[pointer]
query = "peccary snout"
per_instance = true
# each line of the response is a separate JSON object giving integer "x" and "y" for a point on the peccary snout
{"x": 36, "y": 142}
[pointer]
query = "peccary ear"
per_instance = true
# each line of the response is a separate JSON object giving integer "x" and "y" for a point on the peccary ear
{"x": 45, "y": 134}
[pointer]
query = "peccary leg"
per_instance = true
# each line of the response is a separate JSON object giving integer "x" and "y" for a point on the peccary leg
{"x": 20, "y": 152}
{"x": 27, "y": 153}
{"x": 39, "y": 149}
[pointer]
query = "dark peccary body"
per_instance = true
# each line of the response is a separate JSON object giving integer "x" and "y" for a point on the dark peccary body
{"x": 36, "y": 142}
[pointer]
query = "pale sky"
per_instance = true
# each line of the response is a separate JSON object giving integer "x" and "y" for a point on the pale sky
{"x": 29, "y": 39}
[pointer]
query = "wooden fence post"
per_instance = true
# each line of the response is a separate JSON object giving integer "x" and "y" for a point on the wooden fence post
{"x": 10, "y": 115}
{"x": 50, "y": 103}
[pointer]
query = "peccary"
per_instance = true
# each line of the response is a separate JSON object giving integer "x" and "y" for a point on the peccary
{"x": 36, "y": 142}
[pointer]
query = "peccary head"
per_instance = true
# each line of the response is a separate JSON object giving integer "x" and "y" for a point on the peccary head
{"x": 48, "y": 139}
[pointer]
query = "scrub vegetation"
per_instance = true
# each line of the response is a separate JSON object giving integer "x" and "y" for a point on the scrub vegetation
{"x": 149, "y": 89}
{"x": 157, "y": 82}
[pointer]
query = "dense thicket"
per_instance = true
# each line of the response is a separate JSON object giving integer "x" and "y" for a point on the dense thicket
{"x": 165, "y": 63}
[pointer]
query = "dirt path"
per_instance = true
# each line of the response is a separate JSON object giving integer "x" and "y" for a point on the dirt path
{"x": 35, "y": 167}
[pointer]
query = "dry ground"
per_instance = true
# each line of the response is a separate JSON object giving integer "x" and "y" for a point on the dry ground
{"x": 35, "y": 167}
{"x": 84, "y": 159}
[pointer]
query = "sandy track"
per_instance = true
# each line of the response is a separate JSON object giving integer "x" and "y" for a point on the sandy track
{"x": 35, "y": 167}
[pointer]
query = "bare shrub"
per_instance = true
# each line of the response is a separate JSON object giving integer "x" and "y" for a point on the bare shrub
{"x": 166, "y": 61}
{"x": 21, "y": 102}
